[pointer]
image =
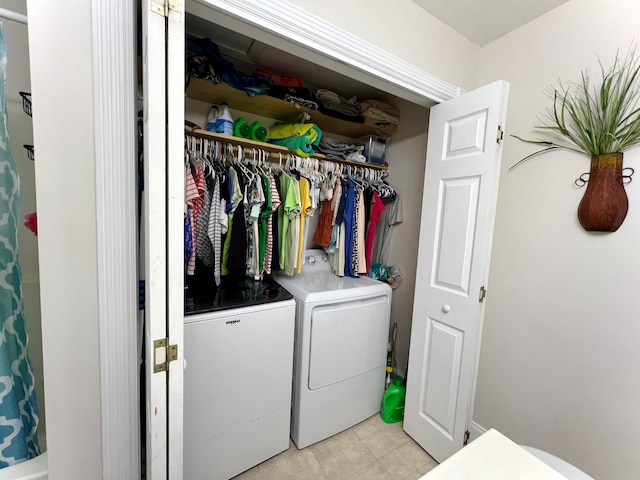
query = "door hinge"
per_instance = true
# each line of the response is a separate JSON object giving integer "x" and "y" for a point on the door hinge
{"x": 466, "y": 438}
{"x": 163, "y": 353}
{"x": 483, "y": 293}
{"x": 500, "y": 135}
{"x": 162, "y": 7}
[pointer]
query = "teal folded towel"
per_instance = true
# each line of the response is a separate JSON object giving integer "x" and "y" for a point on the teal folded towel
{"x": 258, "y": 132}
{"x": 241, "y": 128}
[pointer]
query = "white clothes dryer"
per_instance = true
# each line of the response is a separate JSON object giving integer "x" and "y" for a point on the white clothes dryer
{"x": 340, "y": 352}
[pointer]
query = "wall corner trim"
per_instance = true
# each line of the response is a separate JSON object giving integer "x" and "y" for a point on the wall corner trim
{"x": 475, "y": 431}
{"x": 113, "y": 31}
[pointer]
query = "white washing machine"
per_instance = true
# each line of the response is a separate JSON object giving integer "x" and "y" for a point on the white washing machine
{"x": 238, "y": 348}
{"x": 342, "y": 331}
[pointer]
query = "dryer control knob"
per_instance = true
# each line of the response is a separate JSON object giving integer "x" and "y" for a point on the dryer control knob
{"x": 446, "y": 308}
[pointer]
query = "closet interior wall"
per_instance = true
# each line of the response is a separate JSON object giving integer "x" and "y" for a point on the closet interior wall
{"x": 406, "y": 152}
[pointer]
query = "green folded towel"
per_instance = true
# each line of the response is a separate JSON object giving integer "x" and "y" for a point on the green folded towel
{"x": 298, "y": 137}
{"x": 241, "y": 128}
{"x": 258, "y": 132}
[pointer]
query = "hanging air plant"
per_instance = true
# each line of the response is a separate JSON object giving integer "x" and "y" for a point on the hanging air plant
{"x": 600, "y": 121}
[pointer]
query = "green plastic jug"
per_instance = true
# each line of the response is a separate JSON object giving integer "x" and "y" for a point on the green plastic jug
{"x": 393, "y": 401}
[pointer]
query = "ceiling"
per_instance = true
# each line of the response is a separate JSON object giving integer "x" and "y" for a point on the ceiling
{"x": 482, "y": 21}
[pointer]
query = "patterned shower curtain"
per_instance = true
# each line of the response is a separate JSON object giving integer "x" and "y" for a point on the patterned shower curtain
{"x": 18, "y": 406}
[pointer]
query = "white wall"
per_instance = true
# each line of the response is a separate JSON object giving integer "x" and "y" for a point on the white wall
{"x": 406, "y": 155}
{"x": 61, "y": 72}
{"x": 406, "y": 30}
{"x": 561, "y": 343}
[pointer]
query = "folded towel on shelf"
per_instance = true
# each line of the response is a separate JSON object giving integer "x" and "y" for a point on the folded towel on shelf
{"x": 380, "y": 106}
{"x": 241, "y": 128}
{"x": 332, "y": 104}
{"x": 339, "y": 150}
{"x": 381, "y": 116}
{"x": 377, "y": 114}
{"x": 327, "y": 95}
{"x": 258, "y": 132}
{"x": 356, "y": 157}
{"x": 301, "y": 138}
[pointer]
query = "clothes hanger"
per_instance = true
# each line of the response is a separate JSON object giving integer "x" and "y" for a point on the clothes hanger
{"x": 260, "y": 165}
{"x": 207, "y": 168}
{"x": 218, "y": 159}
{"x": 194, "y": 159}
{"x": 266, "y": 159}
{"x": 247, "y": 173}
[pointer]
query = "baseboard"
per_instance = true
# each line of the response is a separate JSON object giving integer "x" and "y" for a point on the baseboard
{"x": 475, "y": 431}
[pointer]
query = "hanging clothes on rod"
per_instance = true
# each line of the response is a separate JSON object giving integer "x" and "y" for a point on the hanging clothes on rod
{"x": 247, "y": 211}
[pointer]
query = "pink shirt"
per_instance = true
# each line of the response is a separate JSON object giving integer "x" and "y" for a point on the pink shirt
{"x": 377, "y": 207}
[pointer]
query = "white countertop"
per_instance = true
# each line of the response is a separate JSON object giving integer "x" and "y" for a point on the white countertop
{"x": 493, "y": 457}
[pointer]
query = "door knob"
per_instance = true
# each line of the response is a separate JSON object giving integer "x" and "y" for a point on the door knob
{"x": 446, "y": 308}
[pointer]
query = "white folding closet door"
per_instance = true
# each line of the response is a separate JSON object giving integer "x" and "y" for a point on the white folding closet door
{"x": 460, "y": 190}
{"x": 175, "y": 232}
{"x": 163, "y": 111}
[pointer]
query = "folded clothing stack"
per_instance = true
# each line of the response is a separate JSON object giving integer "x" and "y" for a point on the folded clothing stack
{"x": 279, "y": 79}
{"x": 381, "y": 116}
{"x": 339, "y": 150}
{"x": 332, "y": 104}
{"x": 298, "y": 95}
{"x": 199, "y": 67}
{"x": 208, "y": 51}
{"x": 300, "y": 138}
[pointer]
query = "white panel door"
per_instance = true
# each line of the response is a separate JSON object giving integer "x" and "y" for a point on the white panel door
{"x": 163, "y": 112}
{"x": 460, "y": 190}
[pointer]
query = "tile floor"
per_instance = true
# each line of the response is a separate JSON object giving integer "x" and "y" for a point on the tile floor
{"x": 371, "y": 450}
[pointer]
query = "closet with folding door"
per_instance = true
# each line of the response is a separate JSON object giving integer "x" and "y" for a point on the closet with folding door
{"x": 447, "y": 214}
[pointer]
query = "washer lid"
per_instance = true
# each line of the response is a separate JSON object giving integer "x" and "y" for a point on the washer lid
{"x": 321, "y": 286}
{"x": 241, "y": 293}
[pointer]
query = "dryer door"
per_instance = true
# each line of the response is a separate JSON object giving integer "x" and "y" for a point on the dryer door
{"x": 347, "y": 340}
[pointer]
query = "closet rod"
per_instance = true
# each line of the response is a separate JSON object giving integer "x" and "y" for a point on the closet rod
{"x": 275, "y": 152}
{"x": 11, "y": 15}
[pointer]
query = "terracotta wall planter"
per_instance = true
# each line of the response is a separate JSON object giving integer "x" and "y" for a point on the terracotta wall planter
{"x": 604, "y": 205}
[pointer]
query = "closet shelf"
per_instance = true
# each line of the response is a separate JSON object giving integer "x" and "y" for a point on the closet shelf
{"x": 271, "y": 107}
{"x": 275, "y": 150}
